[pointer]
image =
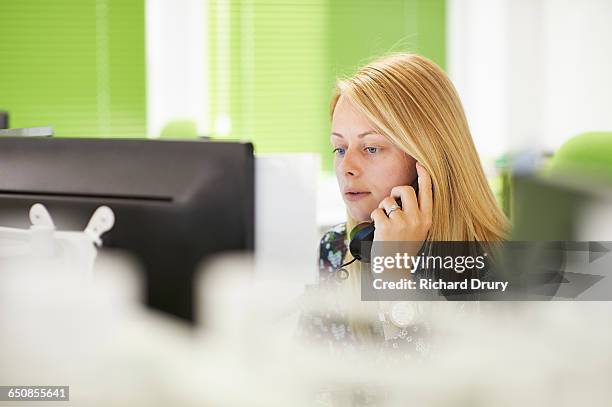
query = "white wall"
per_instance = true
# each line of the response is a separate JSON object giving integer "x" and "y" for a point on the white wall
{"x": 176, "y": 44}
{"x": 286, "y": 235}
{"x": 578, "y": 66}
{"x": 531, "y": 73}
{"x": 477, "y": 65}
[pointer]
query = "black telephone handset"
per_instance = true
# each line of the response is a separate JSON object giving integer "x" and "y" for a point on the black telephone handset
{"x": 364, "y": 232}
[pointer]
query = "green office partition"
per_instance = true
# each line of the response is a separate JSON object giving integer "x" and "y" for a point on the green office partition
{"x": 77, "y": 65}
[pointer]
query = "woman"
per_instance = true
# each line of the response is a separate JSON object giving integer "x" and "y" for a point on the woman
{"x": 399, "y": 119}
{"x": 411, "y": 113}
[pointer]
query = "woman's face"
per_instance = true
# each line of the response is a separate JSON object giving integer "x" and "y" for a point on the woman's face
{"x": 367, "y": 165}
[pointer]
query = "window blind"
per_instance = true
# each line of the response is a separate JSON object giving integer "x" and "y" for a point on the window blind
{"x": 273, "y": 63}
{"x": 77, "y": 65}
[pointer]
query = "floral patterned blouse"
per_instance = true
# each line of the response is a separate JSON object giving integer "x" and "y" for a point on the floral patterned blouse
{"x": 331, "y": 326}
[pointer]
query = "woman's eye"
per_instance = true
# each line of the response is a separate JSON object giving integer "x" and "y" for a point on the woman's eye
{"x": 371, "y": 150}
{"x": 338, "y": 151}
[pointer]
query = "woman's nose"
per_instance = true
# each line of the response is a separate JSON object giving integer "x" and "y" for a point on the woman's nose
{"x": 350, "y": 164}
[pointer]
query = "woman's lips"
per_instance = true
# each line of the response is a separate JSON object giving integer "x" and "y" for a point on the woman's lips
{"x": 355, "y": 196}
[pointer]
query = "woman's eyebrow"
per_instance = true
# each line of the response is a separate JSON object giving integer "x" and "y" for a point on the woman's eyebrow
{"x": 359, "y": 135}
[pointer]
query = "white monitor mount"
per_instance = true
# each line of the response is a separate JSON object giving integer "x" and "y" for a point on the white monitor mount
{"x": 69, "y": 249}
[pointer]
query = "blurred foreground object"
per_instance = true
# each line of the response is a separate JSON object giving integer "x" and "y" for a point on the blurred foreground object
{"x": 111, "y": 351}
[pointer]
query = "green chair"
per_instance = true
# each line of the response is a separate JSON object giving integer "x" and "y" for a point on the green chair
{"x": 179, "y": 129}
{"x": 588, "y": 155}
{"x": 548, "y": 206}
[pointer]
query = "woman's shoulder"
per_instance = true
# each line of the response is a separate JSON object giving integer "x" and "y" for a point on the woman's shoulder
{"x": 332, "y": 250}
{"x": 337, "y": 232}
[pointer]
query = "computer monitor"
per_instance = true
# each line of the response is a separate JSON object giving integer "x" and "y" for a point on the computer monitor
{"x": 175, "y": 202}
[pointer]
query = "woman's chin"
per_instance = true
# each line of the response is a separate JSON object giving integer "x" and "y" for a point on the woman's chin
{"x": 360, "y": 216}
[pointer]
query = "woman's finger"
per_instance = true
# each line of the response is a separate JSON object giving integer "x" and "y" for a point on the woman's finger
{"x": 379, "y": 217}
{"x": 425, "y": 191}
{"x": 387, "y": 201}
{"x": 410, "y": 205}
{"x": 391, "y": 206}
{"x": 388, "y": 204}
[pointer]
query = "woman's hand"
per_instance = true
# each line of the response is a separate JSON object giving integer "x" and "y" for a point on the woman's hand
{"x": 412, "y": 221}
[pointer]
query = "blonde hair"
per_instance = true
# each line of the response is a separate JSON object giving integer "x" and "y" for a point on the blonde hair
{"x": 412, "y": 102}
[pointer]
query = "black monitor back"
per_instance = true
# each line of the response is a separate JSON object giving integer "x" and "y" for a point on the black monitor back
{"x": 175, "y": 202}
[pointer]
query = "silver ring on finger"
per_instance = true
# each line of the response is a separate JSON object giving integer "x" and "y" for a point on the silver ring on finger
{"x": 392, "y": 208}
